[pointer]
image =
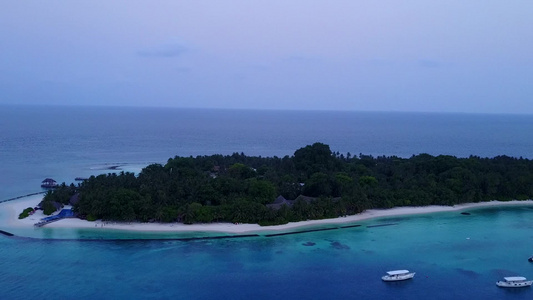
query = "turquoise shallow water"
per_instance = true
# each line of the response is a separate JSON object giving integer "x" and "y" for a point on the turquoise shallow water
{"x": 455, "y": 256}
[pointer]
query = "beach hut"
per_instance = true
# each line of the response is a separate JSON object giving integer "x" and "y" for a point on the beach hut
{"x": 305, "y": 199}
{"x": 74, "y": 199}
{"x": 279, "y": 202}
{"x": 57, "y": 205}
{"x": 48, "y": 183}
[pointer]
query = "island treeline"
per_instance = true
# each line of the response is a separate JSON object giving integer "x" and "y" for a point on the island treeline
{"x": 314, "y": 183}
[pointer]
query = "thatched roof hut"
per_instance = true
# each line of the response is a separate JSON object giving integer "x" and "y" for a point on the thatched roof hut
{"x": 74, "y": 199}
{"x": 48, "y": 183}
{"x": 279, "y": 202}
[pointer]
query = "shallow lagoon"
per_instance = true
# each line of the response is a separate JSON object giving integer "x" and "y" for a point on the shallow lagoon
{"x": 455, "y": 257}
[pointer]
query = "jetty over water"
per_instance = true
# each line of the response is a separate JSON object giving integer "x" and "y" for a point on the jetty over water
{"x": 19, "y": 197}
{"x": 64, "y": 213}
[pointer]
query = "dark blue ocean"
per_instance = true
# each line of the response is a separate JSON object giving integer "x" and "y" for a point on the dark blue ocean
{"x": 455, "y": 257}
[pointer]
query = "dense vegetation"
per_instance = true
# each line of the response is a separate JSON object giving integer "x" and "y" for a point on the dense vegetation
{"x": 238, "y": 188}
{"x": 26, "y": 213}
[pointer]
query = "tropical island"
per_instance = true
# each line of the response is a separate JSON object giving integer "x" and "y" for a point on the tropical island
{"x": 315, "y": 183}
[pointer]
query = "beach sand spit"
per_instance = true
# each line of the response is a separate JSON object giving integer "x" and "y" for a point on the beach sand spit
{"x": 10, "y": 210}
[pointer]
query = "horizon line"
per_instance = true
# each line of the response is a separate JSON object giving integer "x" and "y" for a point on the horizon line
{"x": 266, "y": 109}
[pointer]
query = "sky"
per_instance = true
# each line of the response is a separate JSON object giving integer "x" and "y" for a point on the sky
{"x": 471, "y": 56}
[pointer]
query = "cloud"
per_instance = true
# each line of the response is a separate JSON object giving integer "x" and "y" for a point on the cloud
{"x": 164, "y": 51}
{"x": 428, "y": 63}
{"x": 182, "y": 70}
{"x": 382, "y": 62}
{"x": 299, "y": 58}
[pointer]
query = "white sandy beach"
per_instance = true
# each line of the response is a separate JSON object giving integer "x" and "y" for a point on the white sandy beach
{"x": 12, "y": 209}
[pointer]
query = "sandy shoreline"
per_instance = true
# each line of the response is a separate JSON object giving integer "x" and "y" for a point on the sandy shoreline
{"x": 11, "y": 210}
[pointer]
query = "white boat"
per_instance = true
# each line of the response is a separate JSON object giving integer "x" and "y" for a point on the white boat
{"x": 513, "y": 282}
{"x": 398, "y": 275}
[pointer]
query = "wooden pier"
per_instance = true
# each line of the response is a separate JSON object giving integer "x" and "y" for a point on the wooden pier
{"x": 19, "y": 197}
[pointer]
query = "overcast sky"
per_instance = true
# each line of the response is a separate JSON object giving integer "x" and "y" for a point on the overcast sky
{"x": 380, "y": 55}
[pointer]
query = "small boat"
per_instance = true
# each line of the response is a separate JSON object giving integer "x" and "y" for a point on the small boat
{"x": 530, "y": 259}
{"x": 398, "y": 275}
{"x": 513, "y": 282}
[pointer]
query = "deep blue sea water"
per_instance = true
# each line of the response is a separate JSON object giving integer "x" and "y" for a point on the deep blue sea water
{"x": 455, "y": 256}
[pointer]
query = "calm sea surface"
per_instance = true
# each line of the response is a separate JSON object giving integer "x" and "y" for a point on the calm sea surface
{"x": 455, "y": 256}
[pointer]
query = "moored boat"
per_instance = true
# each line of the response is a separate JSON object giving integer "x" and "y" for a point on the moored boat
{"x": 513, "y": 282}
{"x": 398, "y": 275}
